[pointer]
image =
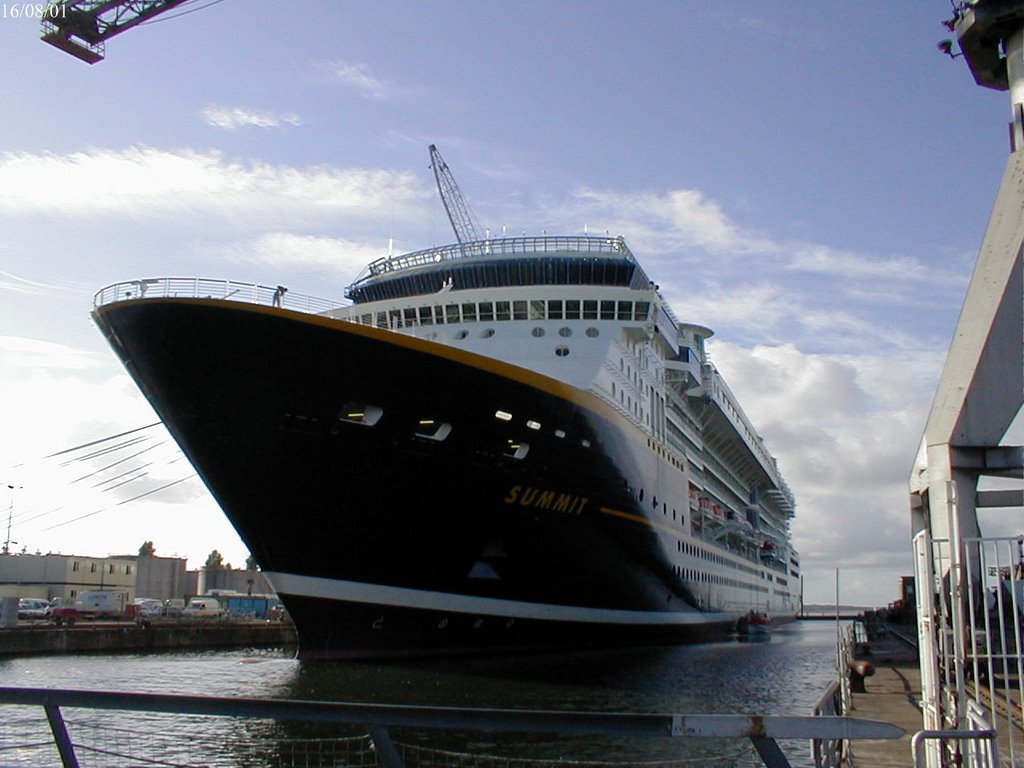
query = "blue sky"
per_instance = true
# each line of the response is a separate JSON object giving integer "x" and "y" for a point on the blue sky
{"x": 812, "y": 180}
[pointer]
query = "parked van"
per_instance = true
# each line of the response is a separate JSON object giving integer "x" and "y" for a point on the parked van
{"x": 203, "y": 607}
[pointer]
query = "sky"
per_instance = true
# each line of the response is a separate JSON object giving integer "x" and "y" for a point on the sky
{"x": 811, "y": 180}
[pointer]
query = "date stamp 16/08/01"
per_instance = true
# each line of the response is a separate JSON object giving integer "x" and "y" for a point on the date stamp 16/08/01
{"x": 40, "y": 11}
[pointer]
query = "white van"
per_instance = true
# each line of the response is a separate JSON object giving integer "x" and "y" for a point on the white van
{"x": 203, "y": 607}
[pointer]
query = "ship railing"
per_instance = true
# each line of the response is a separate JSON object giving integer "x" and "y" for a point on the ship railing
{"x": 504, "y": 246}
{"x": 208, "y": 288}
{"x": 762, "y": 731}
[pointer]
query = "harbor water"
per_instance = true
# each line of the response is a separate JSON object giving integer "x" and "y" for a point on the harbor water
{"x": 783, "y": 673}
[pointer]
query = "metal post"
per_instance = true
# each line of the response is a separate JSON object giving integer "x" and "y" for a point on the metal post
{"x": 60, "y": 736}
{"x": 387, "y": 751}
{"x": 769, "y": 751}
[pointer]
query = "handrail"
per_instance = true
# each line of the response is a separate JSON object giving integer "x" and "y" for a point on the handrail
{"x": 504, "y": 246}
{"x": 761, "y": 730}
{"x": 207, "y": 288}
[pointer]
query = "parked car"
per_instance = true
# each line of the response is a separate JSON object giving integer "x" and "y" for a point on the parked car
{"x": 148, "y": 607}
{"x": 31, "y": 608}
{"x": 203, "y": 607}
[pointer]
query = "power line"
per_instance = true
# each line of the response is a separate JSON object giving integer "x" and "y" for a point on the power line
{"x": 102, "y": 440}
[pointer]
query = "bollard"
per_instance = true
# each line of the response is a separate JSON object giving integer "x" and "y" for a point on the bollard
{"x": 859, "y": 669}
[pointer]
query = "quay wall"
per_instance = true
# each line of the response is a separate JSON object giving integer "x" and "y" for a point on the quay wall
{"x": 123, "y": 636}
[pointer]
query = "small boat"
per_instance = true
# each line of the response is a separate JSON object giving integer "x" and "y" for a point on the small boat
{"x": 754, "y": 623}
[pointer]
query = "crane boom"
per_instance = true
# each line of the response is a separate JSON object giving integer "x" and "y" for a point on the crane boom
{"x": 454, "y": 205}
{"x": 80, "y": 27}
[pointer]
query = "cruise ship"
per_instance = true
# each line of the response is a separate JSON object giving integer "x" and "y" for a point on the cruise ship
{"x": 498, "y": 444}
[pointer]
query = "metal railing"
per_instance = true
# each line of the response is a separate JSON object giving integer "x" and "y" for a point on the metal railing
{"x": 378, "y": 719}
{"x": 207, "y": 288}
{"x": 971, "y": 635}
{"x": 504, "y": 246}
{"x": 980, "y": 737}
{"x": 829, "y": 753}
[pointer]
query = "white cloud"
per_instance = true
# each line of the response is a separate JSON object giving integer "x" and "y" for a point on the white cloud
{"x": 20, "y": 356}
{"x": 664, "y": 222}
{"x": 15, "y": 284}
{"x": 835, "y": 262}
{"x": 359, "y": 77}
{"x": 145, "y": 182}
{"x": 286, "y": 249}
{"x": 844, "y": 429}
{"x": 232, "y": 118}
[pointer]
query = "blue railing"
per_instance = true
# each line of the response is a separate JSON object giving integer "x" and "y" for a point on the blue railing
{"x": 377, "y": 719}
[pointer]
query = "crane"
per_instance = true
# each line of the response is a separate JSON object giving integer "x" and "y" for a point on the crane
{"x": 80, "y": 27}
{"x": 454, "y": 205}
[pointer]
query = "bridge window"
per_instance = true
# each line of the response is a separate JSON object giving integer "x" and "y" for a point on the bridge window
{"x": 502, "y": 310}
{"x": 572, "y": 309}
{"x": 469, "y": 313}
{"x": 519, "y": 310}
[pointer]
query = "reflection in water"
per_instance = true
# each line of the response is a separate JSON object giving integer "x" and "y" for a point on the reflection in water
{"x": 784, "y": 674}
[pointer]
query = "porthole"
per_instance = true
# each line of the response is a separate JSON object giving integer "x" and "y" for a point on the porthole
{"x": 537, "y": 332}
{"x": 487, "y": 333}
{"x": 516, "y": 449}
{"x": 559, "y": 433}
{"x": 593, "y": 333}
{"x": 565, "y": 332}
{"x": 533, "y": 424}
{"x": 462, "y": 334}
{"x": 431, "y": 429}
{"x": 561, "y": 350}
{"x": 360, "y": 413}
{"x": 503, "y": 416}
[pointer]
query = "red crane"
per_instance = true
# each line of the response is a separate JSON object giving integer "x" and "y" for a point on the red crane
{"x": 80, "y": 27}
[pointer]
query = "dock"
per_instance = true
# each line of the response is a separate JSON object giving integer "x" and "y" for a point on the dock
{"x": 114, "y": 636}
{"x": 892, "y": 694}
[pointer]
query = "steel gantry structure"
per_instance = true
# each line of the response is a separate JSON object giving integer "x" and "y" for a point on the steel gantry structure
{"x": 80, "y": 27}
{"x": 970, "y": 589}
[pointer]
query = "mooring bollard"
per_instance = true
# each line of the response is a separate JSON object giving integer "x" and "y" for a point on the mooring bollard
{"x": 859, "y": 669}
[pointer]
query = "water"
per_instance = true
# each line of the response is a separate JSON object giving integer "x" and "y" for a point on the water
{"x": 785, "y": 673}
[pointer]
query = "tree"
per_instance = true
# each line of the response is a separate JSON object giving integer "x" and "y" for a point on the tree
{"x": 214, "y": 560}
{"x": 147, "y": 549}
{"x": 250, "y": 563}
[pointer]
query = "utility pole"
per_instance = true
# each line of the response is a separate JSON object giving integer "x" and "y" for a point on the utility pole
{"x": 10, "y": 518}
